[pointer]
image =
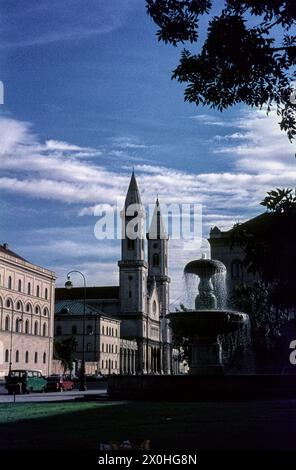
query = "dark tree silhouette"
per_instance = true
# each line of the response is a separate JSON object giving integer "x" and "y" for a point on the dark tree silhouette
{"x": 239, "y": 62}
{"x": 63, "y": 350}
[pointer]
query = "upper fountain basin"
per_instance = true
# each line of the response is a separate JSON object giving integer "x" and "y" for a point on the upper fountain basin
{"x": 205, "y": 323}
{"x": 204, "y": 267}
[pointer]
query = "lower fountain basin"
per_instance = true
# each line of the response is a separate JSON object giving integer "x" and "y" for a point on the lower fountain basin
{"x": 205, "y": 323}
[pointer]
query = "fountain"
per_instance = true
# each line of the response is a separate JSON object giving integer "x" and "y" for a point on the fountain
{"x": 207, "y": 381}
{"x": 206, "y": 323}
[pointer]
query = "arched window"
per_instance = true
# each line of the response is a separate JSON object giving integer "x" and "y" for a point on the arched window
{"x": 29, "y": 308}
{"x": 103, "y": 347}
{"x": 103, "y": 330}
{"x": 27, "y": 325}
{"x": 59, "y": 330}
{"x": 112, "y": 332}
{"x": 44, "y": 358}
{"x": 17, "y": 356}
{"x": 27, "y": 357}
{"x": 89, "y": 347}
{"x": 74, "y": 330}
{"x": 18, "y": 306}
{"x": 154, "y": 307}
{"x": 7, "y": 324}
{"x": 155, "y": 260}
{"x": 10, "y": 282}
{"x": 29, "y": 288}
{"x": 44, "y": 329}
{"x": 45, "y": 311}
{"x": 17, "y": 325}
{"x": 8, "y": 303}
{"x": 19, "y": 286}
{"x": 237, "y": 269}
{"x": 38, "y": 291}
{"x": 36, "y": 328}
{"x": 46, "y": 294}
{"x": 37, "y": 309}
{"x": 36, "y": 357}
{"x": 6, "y": 355}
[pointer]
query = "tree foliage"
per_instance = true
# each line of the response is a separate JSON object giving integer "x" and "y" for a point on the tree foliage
{"x": 63, "y": 350}
{"x": 266, "y": 320}
{"x": 248, "y": 55}
{"x": 280, "y": 200}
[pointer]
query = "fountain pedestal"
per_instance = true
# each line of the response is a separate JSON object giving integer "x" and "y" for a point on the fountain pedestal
{"x": 206, "y": 357}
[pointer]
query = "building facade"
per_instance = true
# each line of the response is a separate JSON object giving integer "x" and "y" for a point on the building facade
{"x": 141, "y": 300}
{"x": 26, "y": 314}
{"x": 101, "y": 334}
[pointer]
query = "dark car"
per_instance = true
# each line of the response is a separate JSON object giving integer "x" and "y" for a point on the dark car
{"x": 25, "y": 381}
{"x": 59, "y": 383}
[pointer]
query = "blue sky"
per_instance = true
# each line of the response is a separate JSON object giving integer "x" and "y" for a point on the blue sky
{"x": 88, "y": 96}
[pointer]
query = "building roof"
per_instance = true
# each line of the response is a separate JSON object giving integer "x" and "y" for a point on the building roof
{"x": 76, "y": 307}
{"x": 5, "y": 249}
{"x": 254, "y": 225}
{"x": 95, "y": 293}
{"x": 259, "y": 225}
{"x": 133, "y": 193}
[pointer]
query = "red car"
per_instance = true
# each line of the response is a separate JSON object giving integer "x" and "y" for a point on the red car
{"x": 59, "y": 383}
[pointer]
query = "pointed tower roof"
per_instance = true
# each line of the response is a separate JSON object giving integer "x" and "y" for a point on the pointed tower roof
{"x": 157, "y": 228}
{"x": 133, "y": 194}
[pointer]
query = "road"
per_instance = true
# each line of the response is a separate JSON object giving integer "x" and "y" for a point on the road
{"x": 93, "y": 388}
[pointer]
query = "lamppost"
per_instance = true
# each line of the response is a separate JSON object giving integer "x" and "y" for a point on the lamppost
{"x": 69, "y": 285}
{"x": 19, "y": 320}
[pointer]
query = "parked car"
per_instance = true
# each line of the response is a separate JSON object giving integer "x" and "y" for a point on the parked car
{"x": 59, "y": 383}
{"x": 95, "y": 377}
{"x": 25, "y": 381}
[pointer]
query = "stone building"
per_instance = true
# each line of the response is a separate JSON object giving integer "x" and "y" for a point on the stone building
{"x": 223, "y": 248}
{"x": 26, "y": 313}
{"x": 102, "y": 334}
{"x": 141, "y": 300}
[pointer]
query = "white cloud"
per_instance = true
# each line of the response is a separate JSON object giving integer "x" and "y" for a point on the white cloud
{"x": 262, "y": 159}
{"x": 260, "y": 144}
{"x": 209, "y": 120}
{"x": 55, "y": 24}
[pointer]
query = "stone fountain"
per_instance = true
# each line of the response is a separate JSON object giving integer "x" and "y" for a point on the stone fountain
{"x": 204, "y": 324}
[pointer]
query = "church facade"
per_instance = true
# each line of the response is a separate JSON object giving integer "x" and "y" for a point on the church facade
{"x": 141, "y": 301}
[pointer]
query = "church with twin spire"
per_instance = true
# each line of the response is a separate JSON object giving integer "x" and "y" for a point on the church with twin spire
{"x": 141, "y": 301}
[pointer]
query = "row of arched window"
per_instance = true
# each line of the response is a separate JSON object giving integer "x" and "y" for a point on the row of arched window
{"x": 109, "y": 364}
{"x": 89, "y": 330}
{"x": 29, "y": 290}
{"x": 110, "y": 348}
{"x": 27, "y": 357}
{"x": 19, "y": 321}
{"x": 28, "y": 307}
{"x": 109, "y": 331}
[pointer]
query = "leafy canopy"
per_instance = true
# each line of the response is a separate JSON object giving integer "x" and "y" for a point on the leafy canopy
{"x": 248, "y": 56}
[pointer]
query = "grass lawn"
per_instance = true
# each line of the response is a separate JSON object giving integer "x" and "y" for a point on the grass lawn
{"x": 263, "y": 425}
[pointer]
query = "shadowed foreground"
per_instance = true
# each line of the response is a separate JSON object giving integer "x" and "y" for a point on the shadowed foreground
{"x": 243, "y": 425}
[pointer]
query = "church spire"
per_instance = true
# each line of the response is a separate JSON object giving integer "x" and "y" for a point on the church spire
{"x": 157, "y": 228}
{"x": 133, "y": 193}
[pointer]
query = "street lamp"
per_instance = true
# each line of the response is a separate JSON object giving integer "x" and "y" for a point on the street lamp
{"x": 19, "y": 320}
{"x": 69, "y": 285}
